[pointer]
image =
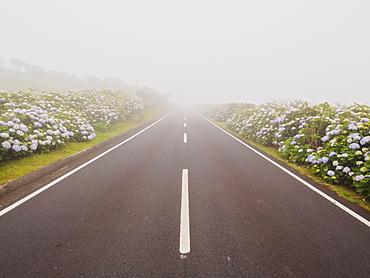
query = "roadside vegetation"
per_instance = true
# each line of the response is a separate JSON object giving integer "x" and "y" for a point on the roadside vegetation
{"x": 36, "y": 130}
{"x": 331, "y": 144}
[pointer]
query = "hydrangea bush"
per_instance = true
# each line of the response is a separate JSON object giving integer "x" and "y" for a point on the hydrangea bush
{"x": 32, "y": 123}
{"x": 333, "y": 141}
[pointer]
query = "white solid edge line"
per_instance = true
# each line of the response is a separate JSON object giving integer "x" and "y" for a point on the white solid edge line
{"x": 184, "y": 220}
{"x": 185, "y": 138}
{"x": 16, "y": 204}
{"x": 327, "y": 197}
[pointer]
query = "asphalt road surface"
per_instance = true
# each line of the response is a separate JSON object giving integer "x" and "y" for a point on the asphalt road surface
{"x": 183, "y": 199}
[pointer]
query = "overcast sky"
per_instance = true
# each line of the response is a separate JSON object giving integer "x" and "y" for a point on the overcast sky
{"x": 214, "y": 51}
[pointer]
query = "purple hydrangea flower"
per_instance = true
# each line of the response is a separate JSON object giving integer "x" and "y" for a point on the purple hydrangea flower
{"x": 352, "y": 126}
{"x": 359, "y": 177}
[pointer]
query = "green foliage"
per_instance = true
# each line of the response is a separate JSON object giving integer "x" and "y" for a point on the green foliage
{"x": 333, "y": 141}
{"x": 45, "y": 122}
{"x": 101, "y": 127}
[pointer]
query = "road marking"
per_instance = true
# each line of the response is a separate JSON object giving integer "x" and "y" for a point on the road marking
{"x": 184, "y": 124}
{"x": 18, "y": 203}
{"x": 184, "y": 220}
{"x": 185, "y": 138}
{"x": 185, "y": 119}
{"x": 322, "y": 194}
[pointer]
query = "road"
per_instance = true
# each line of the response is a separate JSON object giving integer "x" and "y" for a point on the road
{"x": 239, "y": 215}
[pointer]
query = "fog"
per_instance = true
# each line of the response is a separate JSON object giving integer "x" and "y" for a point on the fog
{"x": 213, "y": 51}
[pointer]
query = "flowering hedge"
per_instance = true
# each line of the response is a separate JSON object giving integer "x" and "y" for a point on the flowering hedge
{"x": 32, "y": 123}
{"x": 333, "y": 141}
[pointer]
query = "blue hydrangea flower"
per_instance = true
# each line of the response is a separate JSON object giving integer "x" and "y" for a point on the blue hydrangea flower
{"x": 20, "y": 133}
{"x": 365, "y": 140}
{"x": 23, "y": 128}
{"x": 6, "y": 145}
{"x": 325, "y": 138}
{"x": 331, "y": 173}
{"x": 33, "y": 147}
{"x": 346, "y": 170}
{"x": 325, "y": 159}
{"x": 336, "y": 131}
{"x": 354, "y": 146}
{"x": 37, "y": 124}
{"x": 16, "y": 148}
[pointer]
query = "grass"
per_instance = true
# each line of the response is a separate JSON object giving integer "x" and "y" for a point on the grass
{"x": 341, "y": 190}
{"x": 11, "y": 170}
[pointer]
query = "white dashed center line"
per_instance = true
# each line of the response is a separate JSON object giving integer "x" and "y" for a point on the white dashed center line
{"x": 184, "y": 220}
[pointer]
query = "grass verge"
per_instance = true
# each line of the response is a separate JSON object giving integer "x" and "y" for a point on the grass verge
{"x": 341, "y": 190}
{"x": 11, "y": 170}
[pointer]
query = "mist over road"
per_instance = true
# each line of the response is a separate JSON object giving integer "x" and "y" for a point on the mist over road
{"x": 183, "y": 199}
